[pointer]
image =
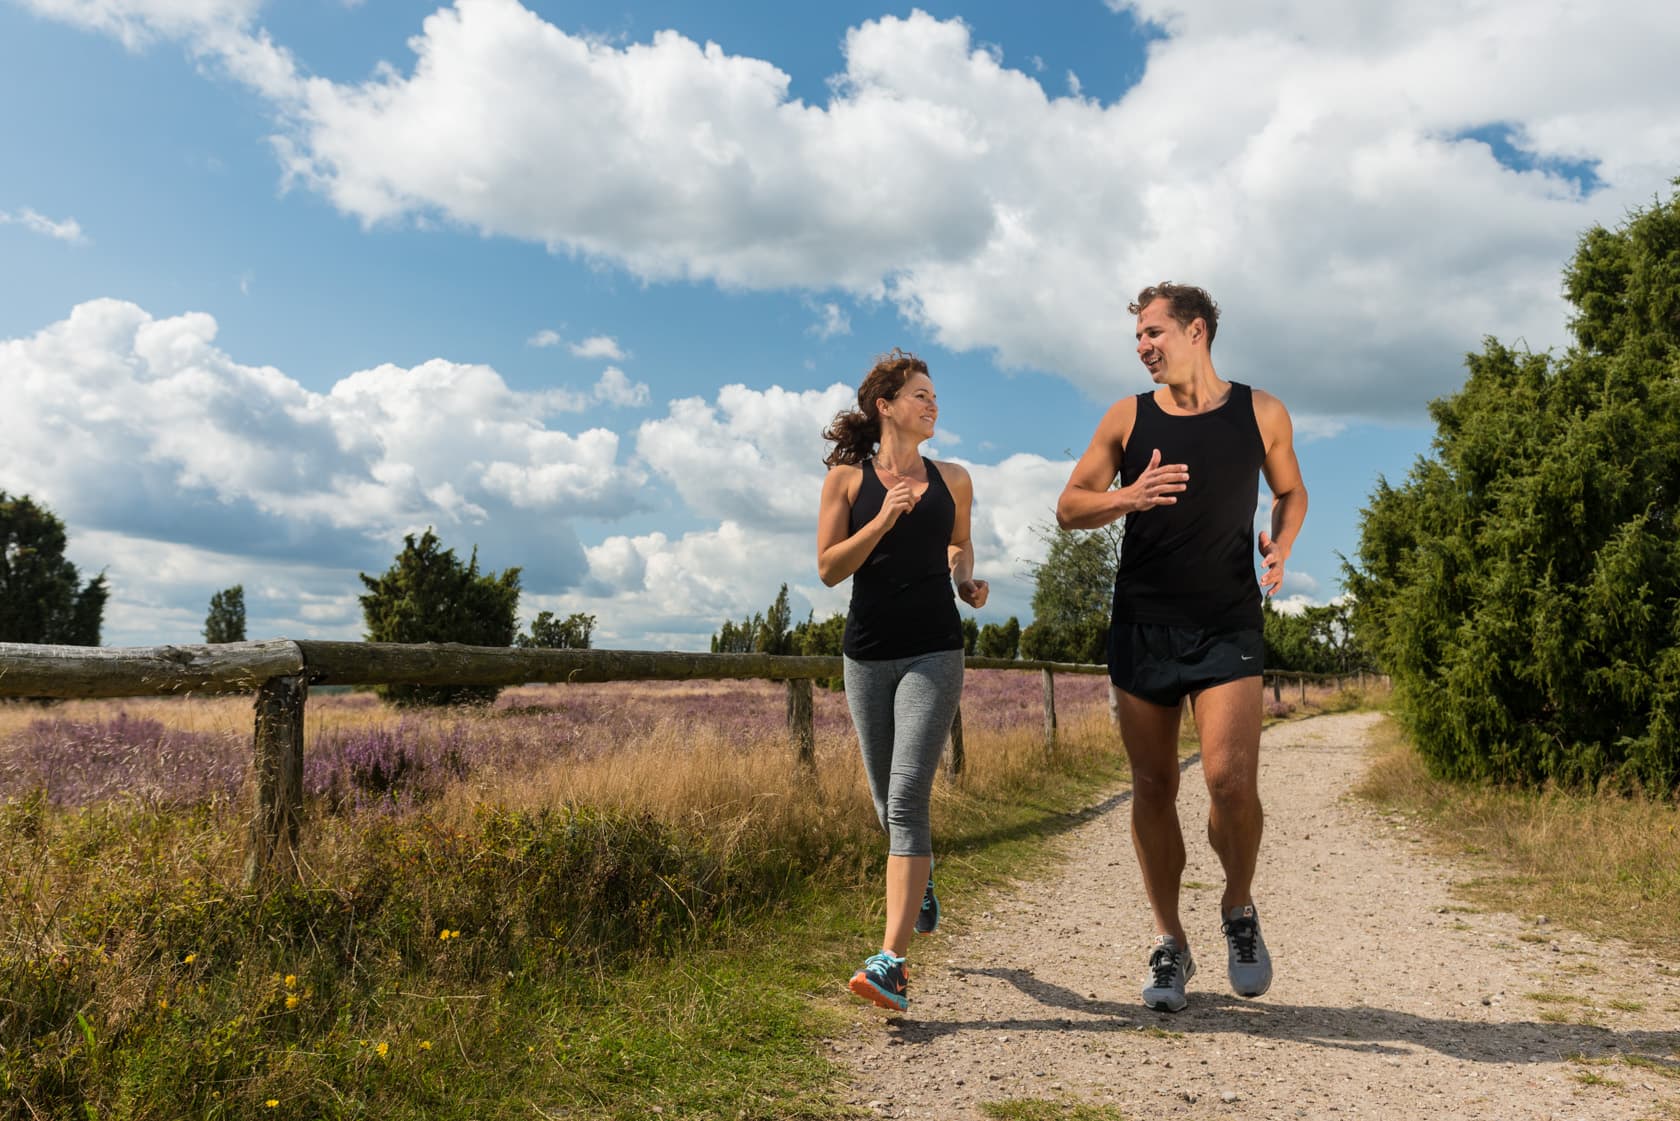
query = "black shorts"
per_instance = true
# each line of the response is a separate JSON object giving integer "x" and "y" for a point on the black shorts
{"x": 1164, "y": 664}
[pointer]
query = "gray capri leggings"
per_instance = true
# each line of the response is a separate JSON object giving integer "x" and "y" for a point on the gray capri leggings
{"x": 902, "y": 709}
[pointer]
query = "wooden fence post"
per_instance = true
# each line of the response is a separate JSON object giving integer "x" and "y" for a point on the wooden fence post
{"x": 1303, "y": 681}
{"x": 279, "y": 772}
{"x": 801, "y": 722}
{"x": 957, "y": 760}
{"x": 1277, "y": 688}
{"x": 1049, "y": 710}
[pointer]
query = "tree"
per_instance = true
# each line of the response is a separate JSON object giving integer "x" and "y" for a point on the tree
{"x": 1521, "y": 585}
{"x": 428, "y": 595}
{"x": 547, "y": 632}
{"x": 42, "y": 598}
{"x": 767, "y": 633}
{"x": 1000, "y": 640}
{"x": 226, "y": 621}
{"x": 971, "y": 635}
{"x": 1073, "y": 596}
{"x": 825, "y": 639}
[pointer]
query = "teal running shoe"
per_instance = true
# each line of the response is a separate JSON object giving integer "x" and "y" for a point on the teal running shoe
{"x": 927, "y": 919}
{"x": 883, "y": 980}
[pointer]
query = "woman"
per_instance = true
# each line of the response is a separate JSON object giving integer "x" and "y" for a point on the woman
{"x": 897, "y": 523}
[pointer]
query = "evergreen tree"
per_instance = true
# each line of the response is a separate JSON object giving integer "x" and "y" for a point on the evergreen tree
{"x": 42, "y": 598}
{"x": 1000, "y": 640}
{"x": 1522, "y": 585}
{"x": 1073, "y": 596}
{"x": 226, "y": 621}
{"x": 428, "y": 595}
{"x": 971, "y": 635}
{"x": 767, "y": 633}
{"x": 571, "y": 633}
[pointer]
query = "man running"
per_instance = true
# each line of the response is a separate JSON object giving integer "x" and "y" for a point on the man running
{"x": 1187, "y": 619}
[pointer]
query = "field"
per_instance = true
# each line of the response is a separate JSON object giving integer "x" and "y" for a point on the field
{"x": 536, "y": 906}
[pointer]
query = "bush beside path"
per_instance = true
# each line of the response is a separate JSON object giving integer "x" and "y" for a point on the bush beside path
{"x": 1392, "y": 999}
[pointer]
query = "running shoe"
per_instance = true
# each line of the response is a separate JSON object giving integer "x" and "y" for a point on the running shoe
{"x": 1247, "y": 961}
{"x": 1170, "y": 969}
{"x": 927, "y": 919}
{"x": 883, "y": 980}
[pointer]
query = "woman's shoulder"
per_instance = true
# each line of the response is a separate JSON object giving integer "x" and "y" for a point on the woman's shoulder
{"x": 954, "y": 474}
{"x": 843, "y": 477}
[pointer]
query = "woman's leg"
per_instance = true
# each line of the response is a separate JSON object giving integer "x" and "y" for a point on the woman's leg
{"x": 923, "y": 706}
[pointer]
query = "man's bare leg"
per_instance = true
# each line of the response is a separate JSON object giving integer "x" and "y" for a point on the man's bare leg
{"x": 1150, "y": 735}
{"x": 1228, "y": 719}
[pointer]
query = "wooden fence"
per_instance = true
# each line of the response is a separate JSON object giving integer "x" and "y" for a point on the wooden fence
{"x": 280, "y": 672}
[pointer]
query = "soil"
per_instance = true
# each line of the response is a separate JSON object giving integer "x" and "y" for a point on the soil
{"x": 1391, "y": 999}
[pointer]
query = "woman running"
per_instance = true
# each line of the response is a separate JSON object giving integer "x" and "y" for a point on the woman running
{"x": 898, "y": 523}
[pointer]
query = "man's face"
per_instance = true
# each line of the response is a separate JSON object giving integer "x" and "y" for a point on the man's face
{"x": 1161, "y": 343}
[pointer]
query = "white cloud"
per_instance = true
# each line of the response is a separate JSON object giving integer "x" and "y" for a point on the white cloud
{"x": 832, "y": 321}
{"x": 1076, "y": 88}
{"x": 599, "y": 346}
{"x": 68, "y": 229}
{"x": 138, "y": 22}
{"x": 133, "y": 425}
{"x": 1321, "y": 183}
{"x": 615, "y": 388}
{"x": 544, "y": 338}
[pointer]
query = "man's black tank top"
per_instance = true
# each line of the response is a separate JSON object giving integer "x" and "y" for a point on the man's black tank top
{"x": 902, "y": 601}
{"x": 1191, "y": 564}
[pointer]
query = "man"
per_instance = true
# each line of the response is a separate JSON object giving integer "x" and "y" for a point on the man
{"x": 1187, "y": 621}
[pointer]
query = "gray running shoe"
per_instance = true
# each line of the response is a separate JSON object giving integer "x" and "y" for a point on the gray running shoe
{"x": 1247, "y": 961}
{"x": 1170, "y": 968}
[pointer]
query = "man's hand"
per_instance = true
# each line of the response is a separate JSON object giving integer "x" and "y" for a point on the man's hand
{"x": 1272, "y": 558}
{"x": 1158, "y": 484}
{"x": 974, "y": 593}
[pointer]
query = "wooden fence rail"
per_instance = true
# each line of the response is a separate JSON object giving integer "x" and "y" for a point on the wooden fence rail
{"x": 280, "y": 672}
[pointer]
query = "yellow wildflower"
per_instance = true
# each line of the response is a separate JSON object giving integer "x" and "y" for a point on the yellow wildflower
{"x": 425, "y": 1045}
{"x": 293, "y": 1000}
{"x": 383, "y": 1048}
{"x": 189, "y": 959}
{"x": 272, "y": 1102}
{"x": 291, "y": 980}
{"x": 164, "y": 1003}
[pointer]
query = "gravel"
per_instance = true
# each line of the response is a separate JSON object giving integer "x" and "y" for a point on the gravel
{"x": 1391, "y": 1001}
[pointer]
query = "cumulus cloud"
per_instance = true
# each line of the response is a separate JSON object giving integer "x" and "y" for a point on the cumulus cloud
{"x": 599, "y": 346}
{"x": 132, "y": 424}
{"x": 615, "y": 388}
{"x": 832, "y": 320}
{"x": 67, "y": 229}
{"x": 545, "y": 338}
{"x": 1332, "y": 183}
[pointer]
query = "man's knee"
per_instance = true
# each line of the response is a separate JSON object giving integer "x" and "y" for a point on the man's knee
{"x": 1232, "y": 790}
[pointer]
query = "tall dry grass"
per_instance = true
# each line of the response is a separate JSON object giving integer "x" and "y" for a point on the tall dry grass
{"x": 1601, "y": 862}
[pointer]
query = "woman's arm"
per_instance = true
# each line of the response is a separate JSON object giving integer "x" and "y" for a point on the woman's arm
{"x": 960, "y": 553}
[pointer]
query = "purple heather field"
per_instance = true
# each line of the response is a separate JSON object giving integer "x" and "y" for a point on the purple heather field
{"x": 362, "y": 755}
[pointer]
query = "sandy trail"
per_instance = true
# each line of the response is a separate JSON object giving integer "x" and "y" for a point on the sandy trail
{"x": 1390, "y": 1000}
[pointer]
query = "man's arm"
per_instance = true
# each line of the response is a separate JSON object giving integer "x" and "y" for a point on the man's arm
{"x": 1087, "y": 502}
{"x": 1289, "y": 492}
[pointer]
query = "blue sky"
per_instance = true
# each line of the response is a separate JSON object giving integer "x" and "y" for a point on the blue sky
{"x": 579, "y": 284}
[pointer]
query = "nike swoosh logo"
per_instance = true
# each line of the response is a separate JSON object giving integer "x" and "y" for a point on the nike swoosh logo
{"x": 1246, "y": 657}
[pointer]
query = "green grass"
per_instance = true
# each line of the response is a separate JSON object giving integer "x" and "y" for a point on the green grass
{"x": 608, "y": 959}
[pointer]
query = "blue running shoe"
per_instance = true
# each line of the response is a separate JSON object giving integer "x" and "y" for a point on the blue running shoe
{"x": 883, "y": 980}
{"x": 927, "y": 919}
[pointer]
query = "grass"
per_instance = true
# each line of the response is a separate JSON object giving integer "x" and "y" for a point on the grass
{"x": 1600, "y": 863}
{"x": 667, "y": 923}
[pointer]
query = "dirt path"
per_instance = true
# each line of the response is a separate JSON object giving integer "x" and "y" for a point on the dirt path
{"x": 1390, "y": 1000}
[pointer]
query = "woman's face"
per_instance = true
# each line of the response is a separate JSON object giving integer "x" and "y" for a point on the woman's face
{"x": 914, "y": 409}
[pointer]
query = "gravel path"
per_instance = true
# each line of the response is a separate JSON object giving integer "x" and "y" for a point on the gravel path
{"x": 1390, "y": 1000}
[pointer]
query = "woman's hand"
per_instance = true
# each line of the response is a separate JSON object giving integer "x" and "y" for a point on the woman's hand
{"x": 973, "y": 593}
{"x": 900, "y": 500}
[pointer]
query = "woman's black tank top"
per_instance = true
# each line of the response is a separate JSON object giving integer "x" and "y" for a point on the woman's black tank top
{"x": 902, "y": 601}
{"x": 1191, "y": 564}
